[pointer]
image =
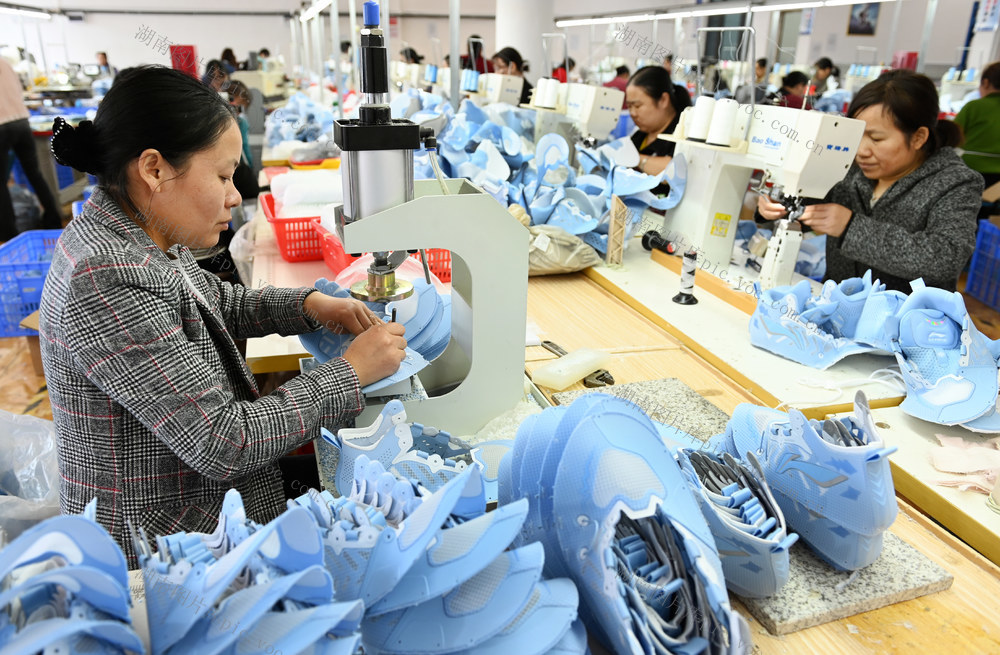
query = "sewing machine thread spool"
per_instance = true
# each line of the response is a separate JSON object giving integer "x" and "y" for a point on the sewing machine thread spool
{"x": 723, "y": 119}
{"x": 547, "y": 92}
{"x": 701, "y": 121}
{"x": 686, "y": 296}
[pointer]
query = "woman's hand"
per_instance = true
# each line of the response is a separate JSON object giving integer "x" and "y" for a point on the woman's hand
{"x": 377, "y": 352}
{"x": 772, "y": 211}
{"x": 340, "y": 315}
{"x": 828, "y": 218}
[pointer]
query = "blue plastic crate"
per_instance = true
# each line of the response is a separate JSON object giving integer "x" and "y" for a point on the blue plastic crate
{"x": 984, "y": 271}
{"x": 24, "y": 263}
{"x": 18, "y": 171}
{"x": 64, "y": 176}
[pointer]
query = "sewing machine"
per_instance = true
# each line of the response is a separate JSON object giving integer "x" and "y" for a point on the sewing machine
{"x": 481, "y": 373}
{"x": 593, "y": 111}
{"x": 803, "y": 154}
{"x": 494, "y": 87}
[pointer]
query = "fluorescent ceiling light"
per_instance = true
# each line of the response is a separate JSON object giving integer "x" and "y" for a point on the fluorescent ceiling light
{"x": 26, "y": 13}
{"x": 787, "y": 7}
{"x": 840, "y": 3}
{"x": 695, "y": 13}
{"x": 314, "y": 10}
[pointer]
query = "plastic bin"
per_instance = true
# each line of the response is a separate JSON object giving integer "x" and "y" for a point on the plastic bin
{"x": 984, "y": 271}
{"x": 297, "y": 239}
{"x": 24, "y": 263}
{"x": 64, "y": 176}
{"x": 438, "y": 260}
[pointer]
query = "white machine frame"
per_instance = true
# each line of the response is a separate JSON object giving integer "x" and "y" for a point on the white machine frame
{"x": 489, "y": 291}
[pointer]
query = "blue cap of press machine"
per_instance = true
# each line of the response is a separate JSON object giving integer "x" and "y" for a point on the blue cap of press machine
{"x": 371, "y": 13}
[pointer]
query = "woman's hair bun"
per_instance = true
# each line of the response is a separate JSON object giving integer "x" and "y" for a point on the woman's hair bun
{"x": 76, "y": 147}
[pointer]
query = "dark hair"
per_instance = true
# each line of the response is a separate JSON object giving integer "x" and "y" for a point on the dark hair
{"x": 992, "y": 74}
{"x": 475, "y": 48}
{"x": 264, "y": 51}
{"x": 237, "y": 89}
{"x": 669, "y": 58}
{"x": 510, "y": 56}
{"x": 794, "y": 79}
{"x": 228, "y": 56}
{"x": 912, "y": 102}
{"x": 345, "y": 47}
{"x": 823, "y": 62}
{"x": 621, "y": 70}
{"x": 762, "y": 62}
{"x": 411, "y": 55}
{"x": 147, "y": 107}
{"x": 562, "y": 63}
{"x": 654, "y": 81}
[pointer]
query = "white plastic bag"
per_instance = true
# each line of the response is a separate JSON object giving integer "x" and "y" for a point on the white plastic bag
{"x": 553, "y": 250}
{"x": 29, "y": 472}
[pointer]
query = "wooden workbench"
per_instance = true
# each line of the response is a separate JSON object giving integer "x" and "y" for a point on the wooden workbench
{"x": 577, "y": 312}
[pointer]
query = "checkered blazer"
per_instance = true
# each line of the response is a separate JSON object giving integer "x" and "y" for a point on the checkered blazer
{"x": 156, "y": 411}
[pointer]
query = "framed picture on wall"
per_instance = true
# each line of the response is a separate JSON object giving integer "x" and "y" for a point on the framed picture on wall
{"x": 863, "y": 19}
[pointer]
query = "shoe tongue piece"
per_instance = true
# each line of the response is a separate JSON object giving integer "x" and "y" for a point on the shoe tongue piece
{"x": 929, "y": 328}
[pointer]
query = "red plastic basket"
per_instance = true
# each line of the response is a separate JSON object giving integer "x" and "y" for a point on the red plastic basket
{"x": 333, "y": 251}
{"x": 438, "y": 260}
{"x": 297, "y": 239}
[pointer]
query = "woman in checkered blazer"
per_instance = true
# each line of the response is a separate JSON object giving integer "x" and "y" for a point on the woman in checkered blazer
{"x": 156, "y": 411}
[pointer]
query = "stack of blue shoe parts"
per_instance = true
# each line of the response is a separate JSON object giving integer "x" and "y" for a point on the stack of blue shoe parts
{"x": 434, "y": 571}
{"x": 846, "y": 319}
{"x": 615, "y": 514}
{"x": 64, "y": 589}
{"x": 411, "y": 451}
{"x": 831, "y": 479}
{"x": 246, "y": 588}
{"x": 301, "y": 119}
{"x": 426, "y": 315}
{"x": 950, "y": 368}
{"x": 746, "y": 522}
{"x": 325, "y": 344}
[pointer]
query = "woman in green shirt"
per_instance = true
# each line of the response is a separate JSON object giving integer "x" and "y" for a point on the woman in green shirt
{"x": 980, "y": 123}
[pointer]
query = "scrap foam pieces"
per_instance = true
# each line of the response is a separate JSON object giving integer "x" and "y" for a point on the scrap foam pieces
{"x": 949, "y": 367}
{"x": 68, "y": 581}
{"x": 747, "y": 524}
{"x": 786, "y": 322}
{"x": 282, "y": 559}
{"x": 831, "y": 479}
{"x": 614, "y": 450}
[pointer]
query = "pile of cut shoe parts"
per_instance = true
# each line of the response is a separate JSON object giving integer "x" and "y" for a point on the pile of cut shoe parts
{"x": 64, "y": 589}
{"x": 452, "y": 589}
{"x": 426, "y": 316}
{"x": 491, "y": 146}
{"x": 301, "y": 119}
{"x": 977, "y": 462}
{"x": 949, "y": 368}
{"x": 245, "y": 588}
{"x": 831, "y": 479}
{"x": 614, "y": 513}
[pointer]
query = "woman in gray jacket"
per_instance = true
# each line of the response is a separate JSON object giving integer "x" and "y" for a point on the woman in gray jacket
{"x": 156, "y": 412}
{"x": 907, "y": 208}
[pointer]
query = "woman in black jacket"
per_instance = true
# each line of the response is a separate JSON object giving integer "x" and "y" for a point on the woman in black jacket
{"x": 907, "y": 208}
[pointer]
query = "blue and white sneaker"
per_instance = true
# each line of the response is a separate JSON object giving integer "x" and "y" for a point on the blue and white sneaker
{"x": 617, "y": 487}
{"x": 574, "y": 642}
{"x": 389, "y": 440}
{"x": 746, "y": 522}
{"x": 455, "y": 555}
{"x": 949, "y": 367}
{"x": 787, "y": 322}
{"x": 831, "y": 479}
{"x": 367, "y": 557}
{"x": 465, "y": 617}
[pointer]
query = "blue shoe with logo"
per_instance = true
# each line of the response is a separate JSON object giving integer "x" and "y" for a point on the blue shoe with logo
{"x": 465, "y": 617}
{"x": 949, "y": 367}
{"x": 632, "y": 538}
{"x": 746, "y": 522}
{"x": 789, "y": 323}
{"x": 831, "y": 479}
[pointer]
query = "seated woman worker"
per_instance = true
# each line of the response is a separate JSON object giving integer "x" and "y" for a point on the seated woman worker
{"x": 907, "y": 207}
{"x": 156, "y": 412}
